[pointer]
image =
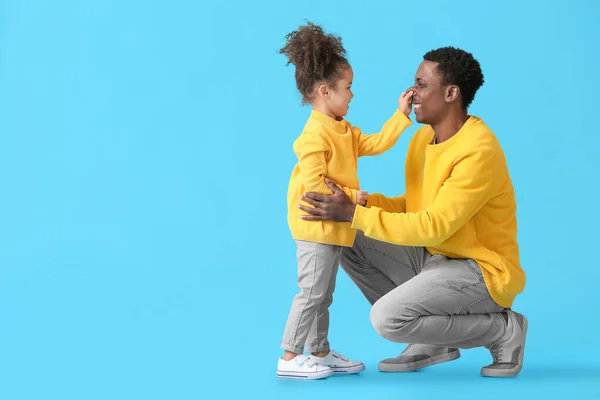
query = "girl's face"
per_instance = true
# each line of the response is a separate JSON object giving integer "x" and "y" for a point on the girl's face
{"x": 340, "y": 95}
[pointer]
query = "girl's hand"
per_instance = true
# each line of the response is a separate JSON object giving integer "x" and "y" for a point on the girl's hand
{"x": 405, "y": 101}
{"x": 362, "y": 197}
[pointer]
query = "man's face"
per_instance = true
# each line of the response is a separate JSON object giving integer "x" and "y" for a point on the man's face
{"x": 429, "y": 98}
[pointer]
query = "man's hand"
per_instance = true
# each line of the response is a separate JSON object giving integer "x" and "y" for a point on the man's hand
{"x": 333, "y": 207}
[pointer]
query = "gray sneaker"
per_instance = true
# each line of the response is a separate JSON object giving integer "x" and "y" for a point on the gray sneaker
{"x": 508, "y": 351}
{"x": 417, "y": 356}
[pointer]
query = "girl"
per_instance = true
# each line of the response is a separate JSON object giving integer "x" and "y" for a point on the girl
{"x": 328, "y": 147}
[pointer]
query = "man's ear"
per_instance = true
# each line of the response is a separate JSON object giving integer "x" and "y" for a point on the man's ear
{"x": 452, "y": 93}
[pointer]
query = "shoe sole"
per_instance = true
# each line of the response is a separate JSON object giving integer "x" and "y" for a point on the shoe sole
{"x": 442, "y": 358}
{"x": 349, "y": 370}
{"x": 305, "y": 376}
{"x": 508, "y": 373}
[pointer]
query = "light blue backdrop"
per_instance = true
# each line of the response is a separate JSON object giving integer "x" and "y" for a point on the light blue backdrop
{"x": 145, "y": 151}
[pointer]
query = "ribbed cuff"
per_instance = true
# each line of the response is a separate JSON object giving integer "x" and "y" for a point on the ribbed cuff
{"x": 359, "y": 219}
{"x": 400, "y": 114}
{"x": 372, "y": 201}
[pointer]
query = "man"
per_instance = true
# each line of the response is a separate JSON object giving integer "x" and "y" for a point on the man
{"x": 440, "y": 264}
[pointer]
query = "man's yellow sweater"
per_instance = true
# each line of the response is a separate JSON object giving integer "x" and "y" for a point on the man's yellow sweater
{"x": 459, "y": 202}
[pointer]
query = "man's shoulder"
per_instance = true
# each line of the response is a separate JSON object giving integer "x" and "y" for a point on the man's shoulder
{"x": 480, "y": 135}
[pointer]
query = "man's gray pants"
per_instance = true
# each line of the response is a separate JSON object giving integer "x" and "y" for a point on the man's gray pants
{"x": 422, "y": 298}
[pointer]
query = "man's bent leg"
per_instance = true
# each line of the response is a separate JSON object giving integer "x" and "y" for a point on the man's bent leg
{"x": 449, "y": 304}
{"x": 377, "y": 268}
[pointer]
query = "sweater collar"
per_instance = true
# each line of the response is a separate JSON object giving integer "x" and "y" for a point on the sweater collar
{"x": 338, "y": 126}
{"x": 461, "y": 132}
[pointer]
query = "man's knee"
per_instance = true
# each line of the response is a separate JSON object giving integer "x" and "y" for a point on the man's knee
{"x": 352, "y": 258}
{"x": 392, "y": 320}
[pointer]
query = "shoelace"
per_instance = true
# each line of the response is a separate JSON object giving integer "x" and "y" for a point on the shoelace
{"x": 496, "y": 351}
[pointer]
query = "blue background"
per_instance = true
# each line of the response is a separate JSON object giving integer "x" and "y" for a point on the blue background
{"x": 145, "y": 151}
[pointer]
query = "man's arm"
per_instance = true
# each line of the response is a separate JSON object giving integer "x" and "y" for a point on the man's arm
{"x": 465, "y": 191}
{"x": 390, "y": 204}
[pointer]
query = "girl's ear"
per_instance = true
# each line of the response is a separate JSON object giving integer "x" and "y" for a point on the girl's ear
{"x": 323, "y": 91}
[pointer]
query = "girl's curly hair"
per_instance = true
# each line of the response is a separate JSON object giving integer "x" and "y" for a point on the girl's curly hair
{"x": 318, "y": 57}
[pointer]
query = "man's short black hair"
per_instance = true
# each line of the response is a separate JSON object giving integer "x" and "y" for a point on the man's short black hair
{"x": 460, "y": 68}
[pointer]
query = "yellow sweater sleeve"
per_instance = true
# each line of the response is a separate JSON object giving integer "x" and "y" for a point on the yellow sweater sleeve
{"x": 463, "y": 193}
{"x": 311, "y": 149}
{"x": 390, "y": 204}
{"x": 377, "y": 143}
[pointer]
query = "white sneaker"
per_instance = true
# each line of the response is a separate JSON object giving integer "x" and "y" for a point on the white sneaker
{"x": 339, "y": 363}
{"x": 302, "y": 367}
